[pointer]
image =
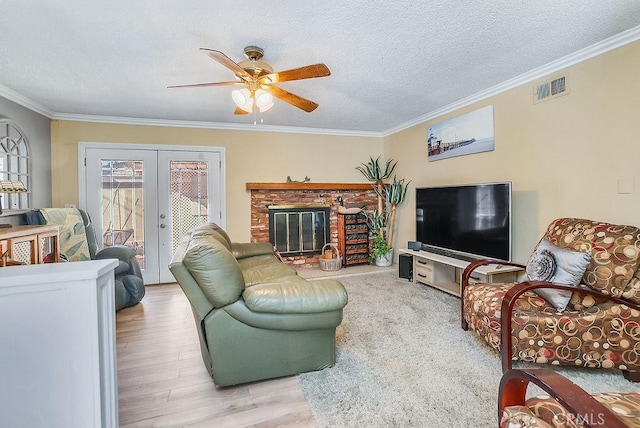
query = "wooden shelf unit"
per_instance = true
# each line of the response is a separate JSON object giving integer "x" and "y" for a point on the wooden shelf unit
{"x": 353, "y": 239}
{"x": 32, "y": 235}
{"x": 445, "y": 273}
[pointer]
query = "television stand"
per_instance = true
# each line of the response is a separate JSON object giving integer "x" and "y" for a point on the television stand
{"x": 451, "y": 254}
{"x": 445, "y": 272}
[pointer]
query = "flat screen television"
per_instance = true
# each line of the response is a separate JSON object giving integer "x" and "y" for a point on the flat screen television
{"x": 471, "y": 221}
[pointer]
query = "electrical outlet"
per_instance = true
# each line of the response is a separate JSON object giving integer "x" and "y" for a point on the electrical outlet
{"x": 625, "y": 185}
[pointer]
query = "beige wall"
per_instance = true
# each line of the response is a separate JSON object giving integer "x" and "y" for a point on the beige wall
{"x": 564, "y": 156}
{"x": 250, "y": 157}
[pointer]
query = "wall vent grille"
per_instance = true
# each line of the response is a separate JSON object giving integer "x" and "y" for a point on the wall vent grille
{"x": 548, "y": 89}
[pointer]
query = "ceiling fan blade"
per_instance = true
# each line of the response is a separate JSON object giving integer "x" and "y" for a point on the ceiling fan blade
{"x": 307, "y": 72}
{"x": 195, "y": 85}
{"x": 240, "y": 111}
{"x": 227, "y": 62}
{"x": 292, "y": 99}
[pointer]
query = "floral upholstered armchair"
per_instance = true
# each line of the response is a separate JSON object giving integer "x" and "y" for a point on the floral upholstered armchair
{"x": 566, "y": 405}
{"x": 579, "y": 304}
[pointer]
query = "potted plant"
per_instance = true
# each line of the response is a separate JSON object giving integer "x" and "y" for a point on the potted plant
{"x": 381, "y": 221}
{"x": 380, "y": 253}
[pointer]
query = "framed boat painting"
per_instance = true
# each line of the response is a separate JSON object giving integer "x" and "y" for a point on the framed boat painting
{"x": 463, "y": 135}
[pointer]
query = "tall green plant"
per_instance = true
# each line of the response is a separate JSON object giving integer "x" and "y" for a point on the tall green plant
{"x": 377, "y": 222}
{"x": 373, "y": 172}
{"x": 394, "y": 195}
{"x": 382, "y": 220}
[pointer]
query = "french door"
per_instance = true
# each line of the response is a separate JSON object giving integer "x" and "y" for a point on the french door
{"x": 149, "y": 199}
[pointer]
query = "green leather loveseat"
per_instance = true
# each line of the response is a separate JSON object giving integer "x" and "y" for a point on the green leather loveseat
{"x": 256, "y": 318}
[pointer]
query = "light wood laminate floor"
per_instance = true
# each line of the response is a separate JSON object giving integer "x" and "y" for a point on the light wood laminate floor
{"x": 162, "y": 381}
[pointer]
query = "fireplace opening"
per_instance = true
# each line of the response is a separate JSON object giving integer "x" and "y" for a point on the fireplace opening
{"x": 299, "y": 229}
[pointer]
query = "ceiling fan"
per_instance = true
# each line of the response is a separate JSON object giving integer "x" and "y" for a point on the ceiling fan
{"x": 259, "y": 79}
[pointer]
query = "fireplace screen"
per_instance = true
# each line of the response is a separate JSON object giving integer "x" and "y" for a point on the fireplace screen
{"x": 298, "y": 230}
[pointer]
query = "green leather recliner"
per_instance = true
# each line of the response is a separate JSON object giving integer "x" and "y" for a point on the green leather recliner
{"x": 256, "y": 318}
{"x": 129, "y": 286}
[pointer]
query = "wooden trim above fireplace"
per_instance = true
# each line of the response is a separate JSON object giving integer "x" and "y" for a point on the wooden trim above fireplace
{"x": 309, "y": 186}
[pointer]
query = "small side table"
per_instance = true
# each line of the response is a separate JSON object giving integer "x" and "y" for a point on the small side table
{"x": 31, "y": 234}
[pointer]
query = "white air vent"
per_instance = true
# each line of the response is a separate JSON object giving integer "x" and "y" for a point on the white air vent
{"x": 551, "y": 88}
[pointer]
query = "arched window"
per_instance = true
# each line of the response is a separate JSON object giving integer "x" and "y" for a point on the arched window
{"x": 14, "y": 165}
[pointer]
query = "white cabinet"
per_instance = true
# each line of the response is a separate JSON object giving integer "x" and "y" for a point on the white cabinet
{"x": 57, "y": 345}
{"x": 444, "y": 273}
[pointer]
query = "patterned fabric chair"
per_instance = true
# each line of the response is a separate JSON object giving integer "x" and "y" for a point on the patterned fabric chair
{"x": 567, "y": 405}
{"x": 600, "y": 326}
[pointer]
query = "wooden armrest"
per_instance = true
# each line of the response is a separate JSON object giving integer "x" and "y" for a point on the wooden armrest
{"x": 509, "y": 300}
{"x": 513, "y": 388}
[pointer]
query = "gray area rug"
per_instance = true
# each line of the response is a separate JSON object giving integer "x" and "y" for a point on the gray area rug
{"x": 403, "y": 360}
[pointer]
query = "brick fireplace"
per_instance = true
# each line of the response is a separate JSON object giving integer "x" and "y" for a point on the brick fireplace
{"x": 265, "y": 194}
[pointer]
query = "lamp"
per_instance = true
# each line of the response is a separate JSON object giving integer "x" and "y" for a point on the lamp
{"x": 264, "y": 100}
{"x": 11, "y": 186}
{"x": 242, "y": 98}
{"x": 245, "y": 99}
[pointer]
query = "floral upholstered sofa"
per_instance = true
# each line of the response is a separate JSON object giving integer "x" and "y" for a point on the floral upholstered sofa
{"x": 598, "y": 325}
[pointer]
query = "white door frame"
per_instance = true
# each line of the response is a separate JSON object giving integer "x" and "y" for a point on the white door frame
{"x": 165, "y": 234}
{"x": 84, "y": 146}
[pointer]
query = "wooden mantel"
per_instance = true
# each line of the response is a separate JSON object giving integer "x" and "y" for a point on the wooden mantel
{"x": 309, "y": 186}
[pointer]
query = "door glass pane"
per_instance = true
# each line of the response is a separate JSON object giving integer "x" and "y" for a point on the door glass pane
{"x": 122, "y": 202}
{"x": 189, "y": 197}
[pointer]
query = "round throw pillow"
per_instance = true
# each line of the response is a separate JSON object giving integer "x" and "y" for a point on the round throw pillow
{"x": 541, "y": 266}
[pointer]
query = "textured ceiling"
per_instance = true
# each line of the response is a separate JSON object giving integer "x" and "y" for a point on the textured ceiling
{"x": 391, "y": 61}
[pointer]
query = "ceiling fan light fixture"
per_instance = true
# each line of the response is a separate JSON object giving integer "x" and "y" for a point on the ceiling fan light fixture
{"x": 242, "y": 98}
{"x": 264, "y": 100}
{"x": 258, "y": 79}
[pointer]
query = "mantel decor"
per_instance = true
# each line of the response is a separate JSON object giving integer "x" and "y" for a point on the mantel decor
{"x": 308, "y": 186}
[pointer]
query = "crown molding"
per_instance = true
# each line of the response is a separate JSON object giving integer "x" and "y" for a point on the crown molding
{"x": 589, "y": 52}
{"x": 621, "y": 39}
{"x": 213, "y": 125}
{"x": 20, "y": 99}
